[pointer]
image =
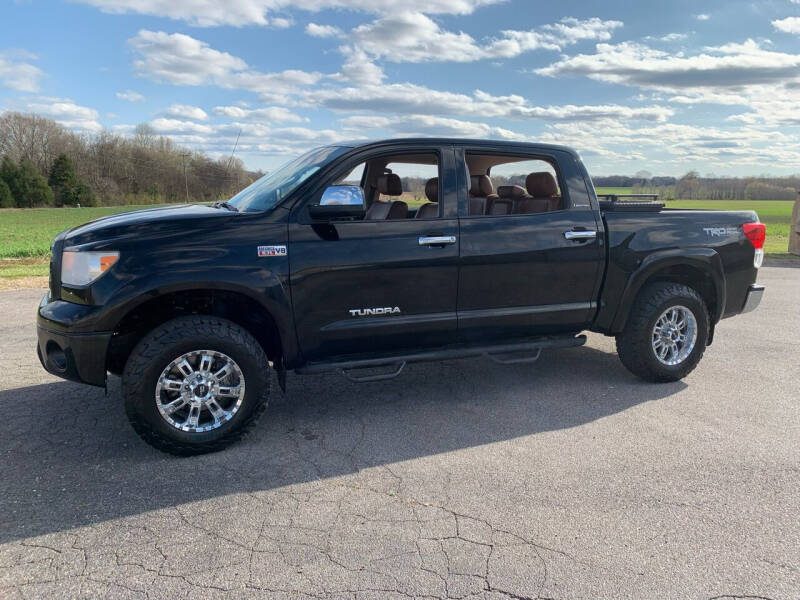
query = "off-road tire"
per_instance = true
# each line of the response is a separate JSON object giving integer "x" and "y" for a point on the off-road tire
{"x": 164, "y": 344}
{"x": 635, "y": 345}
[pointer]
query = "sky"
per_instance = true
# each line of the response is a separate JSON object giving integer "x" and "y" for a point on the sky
{"x": 665, "y": 87}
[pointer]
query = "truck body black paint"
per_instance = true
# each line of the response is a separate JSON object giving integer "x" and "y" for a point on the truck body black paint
{"x": 315, "y": 291}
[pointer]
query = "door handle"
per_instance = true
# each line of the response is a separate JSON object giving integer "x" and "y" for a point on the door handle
{"x": 580, "y": 235}
{"x": 437, "y": 240}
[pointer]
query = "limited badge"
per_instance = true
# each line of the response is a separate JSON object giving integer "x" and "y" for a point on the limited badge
{"x": 271, "y": 251}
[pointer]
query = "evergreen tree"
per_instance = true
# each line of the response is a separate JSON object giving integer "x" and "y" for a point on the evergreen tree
{"x": 34, "y": 190}
{"x": 9, "y": 173}
{"x": 64, "y": 181}
{"x": 6, "y": 199}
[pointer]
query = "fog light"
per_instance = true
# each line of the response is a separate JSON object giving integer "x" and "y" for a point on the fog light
{"x": 56, "y": 357}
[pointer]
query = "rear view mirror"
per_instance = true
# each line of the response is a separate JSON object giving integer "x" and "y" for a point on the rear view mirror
{"x": 339, "y": 202}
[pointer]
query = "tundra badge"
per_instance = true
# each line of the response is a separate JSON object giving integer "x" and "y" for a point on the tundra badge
{"x": 363, "y": 312}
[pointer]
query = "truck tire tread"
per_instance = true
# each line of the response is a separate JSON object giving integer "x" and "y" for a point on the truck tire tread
{"x": 634, "y": 343}
{"x": 135, "y": 380}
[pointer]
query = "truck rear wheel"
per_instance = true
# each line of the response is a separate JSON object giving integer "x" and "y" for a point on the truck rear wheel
{"x": 666, "y": 332}
{"x": 195, "y": 385}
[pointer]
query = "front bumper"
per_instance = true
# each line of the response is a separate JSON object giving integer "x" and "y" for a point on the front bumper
{"x": 76, "y": 356}
{"x": 753, "y": 298}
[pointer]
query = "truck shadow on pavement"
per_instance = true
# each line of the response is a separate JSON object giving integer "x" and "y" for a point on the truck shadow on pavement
{"x": 70, "y": 459}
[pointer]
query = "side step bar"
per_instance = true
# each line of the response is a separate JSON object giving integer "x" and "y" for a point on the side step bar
{"x": 495, "y": 353}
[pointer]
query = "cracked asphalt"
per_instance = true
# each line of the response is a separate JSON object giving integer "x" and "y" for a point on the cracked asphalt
{"x": 568, "y": 478}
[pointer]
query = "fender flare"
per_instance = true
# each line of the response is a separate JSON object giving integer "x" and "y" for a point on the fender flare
{"x": 274, "y": 300}
{"x": 706, "y": 260}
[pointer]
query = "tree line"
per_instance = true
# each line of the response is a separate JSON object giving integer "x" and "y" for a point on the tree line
{"x": 694, "y": 187}
{"x": 44, "y": 164}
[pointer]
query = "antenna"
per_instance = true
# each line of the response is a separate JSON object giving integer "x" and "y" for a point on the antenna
{"x": 184, "y": 156}
{"x": 230, "y": 160}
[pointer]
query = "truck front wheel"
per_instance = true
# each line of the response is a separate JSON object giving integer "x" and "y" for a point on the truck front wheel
{"x": 666, "y": 332}
{"x": 195, "y": 385}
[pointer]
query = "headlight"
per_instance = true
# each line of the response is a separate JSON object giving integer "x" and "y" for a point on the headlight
{"x": 82, "y": 268}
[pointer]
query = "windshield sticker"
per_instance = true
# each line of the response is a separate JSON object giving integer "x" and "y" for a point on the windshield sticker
{"x": 271, "y": 251}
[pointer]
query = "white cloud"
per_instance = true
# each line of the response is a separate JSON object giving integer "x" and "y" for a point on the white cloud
{"x": 130, "y": 96}
{"x": 184, "y": 60}
{"x": 17, "y": 73}
{"x": 427, "y": 125}
{"x": 680, "y": 144}
{"x": 205, "y": 13}
{"x": 166, "y": 126}
{"x": 723, "y": 67}
{"x": 322, "y": 31}
{"x": 186, "y": 111}
{"x": 267, "y": 115}
{"x": 358, "y": 68}
{"x": 408, "y": 98}
{"x": 788, "y": 25}
{"x": 415, "y": 37}
{"x": 670, "y": 37}
{"x": 181, "y": 59}
{"x": 67, "y": 113}
{"x": 702, "y": 17}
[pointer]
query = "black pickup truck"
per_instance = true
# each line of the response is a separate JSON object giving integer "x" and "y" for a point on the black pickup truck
{"x": 364, "y": 257}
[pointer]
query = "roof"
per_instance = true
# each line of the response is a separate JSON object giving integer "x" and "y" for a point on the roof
{"x": 524, "y": 146}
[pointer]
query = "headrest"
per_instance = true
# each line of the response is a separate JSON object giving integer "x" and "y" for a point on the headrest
{"x": 480, "y": 185}
{"x": 429, "y": 210}
{"x": 389, "y": 184}
{"x": 511, "y": 191}
{"x": 432, "y": 189}
{"x": 398, "y": 209}
{"x": 541, "y": 184}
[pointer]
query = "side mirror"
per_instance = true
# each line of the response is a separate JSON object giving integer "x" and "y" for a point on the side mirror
{"x": 339, "y": 202}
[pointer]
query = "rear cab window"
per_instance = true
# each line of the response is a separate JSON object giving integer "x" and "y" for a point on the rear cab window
{"x": 507, "y": 184}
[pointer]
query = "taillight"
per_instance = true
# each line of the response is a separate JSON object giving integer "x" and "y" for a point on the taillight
{"x": 756, "y": 233}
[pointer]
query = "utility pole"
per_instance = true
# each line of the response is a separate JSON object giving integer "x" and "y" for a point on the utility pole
{"x": 184, "y": 156}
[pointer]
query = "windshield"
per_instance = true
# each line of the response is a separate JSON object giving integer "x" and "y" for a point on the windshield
{"x": 268, "y": 191}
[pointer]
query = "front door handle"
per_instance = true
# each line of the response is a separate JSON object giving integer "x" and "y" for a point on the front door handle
{"x": 580, "y": 235}
{"x": 437, "y": 240}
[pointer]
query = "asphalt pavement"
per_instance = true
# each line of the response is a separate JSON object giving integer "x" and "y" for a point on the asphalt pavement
{"x": 568, "y": 478}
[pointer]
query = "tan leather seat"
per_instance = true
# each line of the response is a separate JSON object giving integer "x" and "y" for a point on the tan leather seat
{"x": 542, "y": 187}
{"x": 481, "y": 192}
{"x": 388, "y": 184}
{"x": 430, "y": 210}
{"x": 499, "y": 206}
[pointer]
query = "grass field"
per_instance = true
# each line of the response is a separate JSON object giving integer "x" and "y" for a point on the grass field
{"x": 26, "y": 234}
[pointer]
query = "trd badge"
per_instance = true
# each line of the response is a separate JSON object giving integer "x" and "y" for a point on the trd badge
{"x": 271, "y": 251}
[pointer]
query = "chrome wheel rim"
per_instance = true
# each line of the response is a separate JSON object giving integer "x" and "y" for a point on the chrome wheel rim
{"x": 200, "y": 391}
{"x": 674, "y": 335}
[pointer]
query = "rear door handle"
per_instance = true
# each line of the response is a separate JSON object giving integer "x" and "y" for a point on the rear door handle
{"x": 580, "y": 235}
{"x": 437, "y": 240}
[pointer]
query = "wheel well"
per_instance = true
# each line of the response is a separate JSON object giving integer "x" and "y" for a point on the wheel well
{"x": 697, "y": 279}
{"x": 236, "y": 307}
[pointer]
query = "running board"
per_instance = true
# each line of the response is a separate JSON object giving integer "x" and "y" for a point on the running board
{"x": 495, "y": 353}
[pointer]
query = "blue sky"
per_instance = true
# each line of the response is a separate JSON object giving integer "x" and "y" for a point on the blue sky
{"x": 662, "y": 86}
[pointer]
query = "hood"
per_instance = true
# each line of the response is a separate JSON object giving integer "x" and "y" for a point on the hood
{"x": 150, "y": 220}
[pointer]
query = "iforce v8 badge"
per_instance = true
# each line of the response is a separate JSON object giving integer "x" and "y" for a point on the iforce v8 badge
{"x": 271, "y": 251}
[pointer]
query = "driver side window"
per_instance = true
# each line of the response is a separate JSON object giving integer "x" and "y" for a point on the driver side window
{"x": 390, "y": 187}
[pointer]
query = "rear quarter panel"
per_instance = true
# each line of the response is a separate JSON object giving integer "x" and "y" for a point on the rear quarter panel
{"x": 639, "y": 244}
